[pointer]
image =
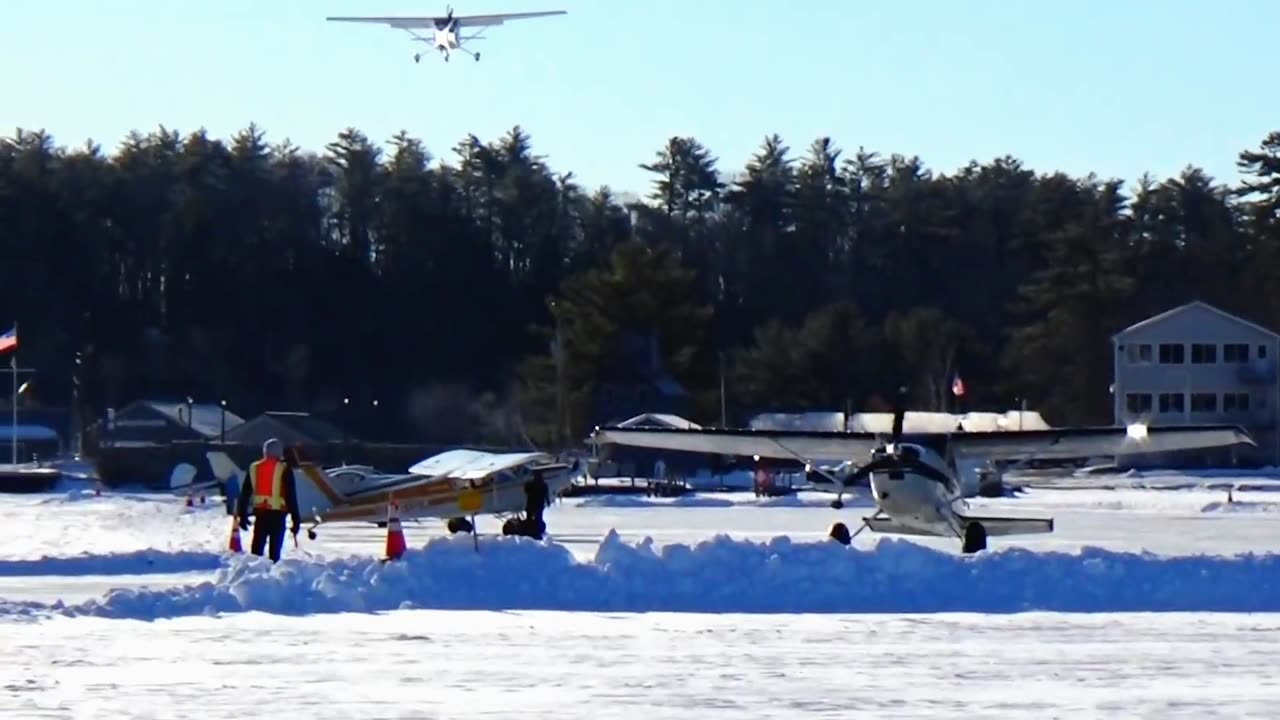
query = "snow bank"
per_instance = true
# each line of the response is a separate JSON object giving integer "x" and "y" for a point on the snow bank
{"x": 716, "y": 576}
{"x": 141, "y": 562}
{"x": 1239, "y": 506}
{"x": 727, "y": 500}
{"x": 640, "y": 501}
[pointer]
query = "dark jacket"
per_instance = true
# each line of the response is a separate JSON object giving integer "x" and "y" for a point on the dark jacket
{"x": 245, "y": 504}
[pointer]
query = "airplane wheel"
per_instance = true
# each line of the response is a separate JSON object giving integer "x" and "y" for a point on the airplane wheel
{"x": 311, "y": 534}
{"x": 840, "y": 533}
{"x": 510, "y": 526}
{"x": 535, "y": 529}
{"x": 459, "y": 525}
{"x": 975, "y": 538}
{"x": 477, "y": 57}
{"x": 837, "y": 504}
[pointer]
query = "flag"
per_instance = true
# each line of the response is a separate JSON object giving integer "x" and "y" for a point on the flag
{"x": 9, "y": 340}
{"x": 957, "y": 386}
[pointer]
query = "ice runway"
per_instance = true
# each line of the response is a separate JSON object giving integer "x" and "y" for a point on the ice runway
{"x": 423, "y": 664}
{"x": 341, "y": 636}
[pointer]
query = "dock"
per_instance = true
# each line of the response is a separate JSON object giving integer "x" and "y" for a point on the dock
{"x": 29, "y": 478}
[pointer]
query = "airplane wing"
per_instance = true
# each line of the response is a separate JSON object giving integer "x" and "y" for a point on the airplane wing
{"x": 468, "y": 464}
{"x": 1068, "y": 443}
{"x": 463, "y": 20}
{"x": 780, "y": 445}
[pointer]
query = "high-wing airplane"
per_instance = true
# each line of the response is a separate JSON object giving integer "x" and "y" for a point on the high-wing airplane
{"x": 447, "y": 31}
{"x": 453, "y": 486}
{"x": 913, "y": 477}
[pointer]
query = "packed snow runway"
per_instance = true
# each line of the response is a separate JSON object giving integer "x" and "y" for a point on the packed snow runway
{"x": 121, "y": 590}
{"x": 419, "y": 664}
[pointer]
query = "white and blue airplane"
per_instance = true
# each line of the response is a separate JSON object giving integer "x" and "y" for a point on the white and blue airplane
{"x": 447, "y": 30}
{"x": 913, "y": 477}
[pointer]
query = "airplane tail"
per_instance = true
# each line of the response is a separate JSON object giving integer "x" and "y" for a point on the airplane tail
{"x": 317, "y": 493}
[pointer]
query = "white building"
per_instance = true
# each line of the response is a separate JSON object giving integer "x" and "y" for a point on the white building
{"x": 1196, "y": 364}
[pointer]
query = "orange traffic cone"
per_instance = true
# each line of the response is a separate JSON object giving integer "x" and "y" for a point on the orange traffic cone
{"x": 234, "y": 546}
{"x": 395, "y": 534}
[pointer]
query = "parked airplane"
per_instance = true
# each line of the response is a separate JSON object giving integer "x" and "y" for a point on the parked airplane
{"x": 454, "y": 486}
{"x": 913, "y": 476}
{"x": 447, "y": 31}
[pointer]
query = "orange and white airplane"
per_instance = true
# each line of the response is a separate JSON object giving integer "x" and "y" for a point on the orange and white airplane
{"x": 454, "y": 486}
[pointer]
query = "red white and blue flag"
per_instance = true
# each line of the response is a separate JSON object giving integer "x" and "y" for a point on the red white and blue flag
{"x": 9, "y": 340}
{"x": 957, "y": 386}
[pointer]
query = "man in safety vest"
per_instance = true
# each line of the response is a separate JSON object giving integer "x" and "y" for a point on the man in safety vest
{"x": 270, "y": 491}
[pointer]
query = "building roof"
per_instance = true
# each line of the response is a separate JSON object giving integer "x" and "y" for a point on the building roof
{"x": 290, "y": 428}
{"x": 206, "y": 419}
{"x": 660, "y": 420}
{"x": 807, "y": 421}
{"x": 941, "y": 422}
{"x": 26, "y": 433}
{"x": 1157, "y": 319}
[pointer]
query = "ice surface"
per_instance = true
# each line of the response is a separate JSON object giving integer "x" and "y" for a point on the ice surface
{"x": 463, "y": 665}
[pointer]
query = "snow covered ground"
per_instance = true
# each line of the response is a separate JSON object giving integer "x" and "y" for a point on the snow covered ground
{"x": 1149, "y": 603}
{"x": 419, "y": 664}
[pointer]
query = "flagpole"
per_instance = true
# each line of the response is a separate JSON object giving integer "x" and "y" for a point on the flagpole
{"x": 13, "y": 437}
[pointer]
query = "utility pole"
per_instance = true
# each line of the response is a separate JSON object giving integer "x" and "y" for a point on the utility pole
{"x": 562, "y": 415}
{"x": 724, "y": 423}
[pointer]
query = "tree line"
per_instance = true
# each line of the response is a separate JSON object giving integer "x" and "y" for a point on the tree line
{"x": 256, "y": 272}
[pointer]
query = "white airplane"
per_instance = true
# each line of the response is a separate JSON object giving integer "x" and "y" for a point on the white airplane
{"x": 913, "y": 477}
{"x": 454, "y": 486}
{"x": 447, "y": 31}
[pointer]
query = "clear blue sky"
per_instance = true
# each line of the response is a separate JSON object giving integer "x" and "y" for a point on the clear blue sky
{"x": 1113, "y": 86}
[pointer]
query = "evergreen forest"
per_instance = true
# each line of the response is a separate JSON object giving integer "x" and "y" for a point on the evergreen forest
{"x": 441, "y": 282}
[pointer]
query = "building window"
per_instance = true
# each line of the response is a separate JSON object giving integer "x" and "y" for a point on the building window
{"x": 1172, "y": 403}
{"x": 1138, "y": 354}
{"x": 1235, "y": 402}
{"x": 1203, "y": 354}
{"x": 1171, "y": 354}
{"x": 1138, "y": 403}
{"x": 1236, "y": 353}
{"x": 1204, "y": 403}
{"x": 1262, "y": 352}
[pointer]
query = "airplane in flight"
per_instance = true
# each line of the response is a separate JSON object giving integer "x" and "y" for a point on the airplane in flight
{"x": 913, "y": 477}
{"x": 447, "y": 31}
{"x": 455, "y": 486}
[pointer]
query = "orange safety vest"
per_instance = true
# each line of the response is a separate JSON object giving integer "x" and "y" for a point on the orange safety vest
{"x": 268, "y": 484}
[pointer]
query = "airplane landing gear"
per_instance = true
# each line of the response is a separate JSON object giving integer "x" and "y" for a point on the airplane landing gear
{"x": 975, "y": 538}
{"x": 528, "y": 527}
{"x": 459, "y": 525}
{"x": 840, "y": 533}
{"x": 477, "y": 57}
{"x": 417, "y": 57}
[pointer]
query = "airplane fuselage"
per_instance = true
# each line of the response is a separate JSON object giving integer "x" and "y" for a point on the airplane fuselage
{"x": 919, "y": 492}
{"x": 446, "y": 38}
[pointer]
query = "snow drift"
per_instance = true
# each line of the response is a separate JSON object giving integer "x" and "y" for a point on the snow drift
{"x": 720, "y": 575}
{"x": 140, "y": 562}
